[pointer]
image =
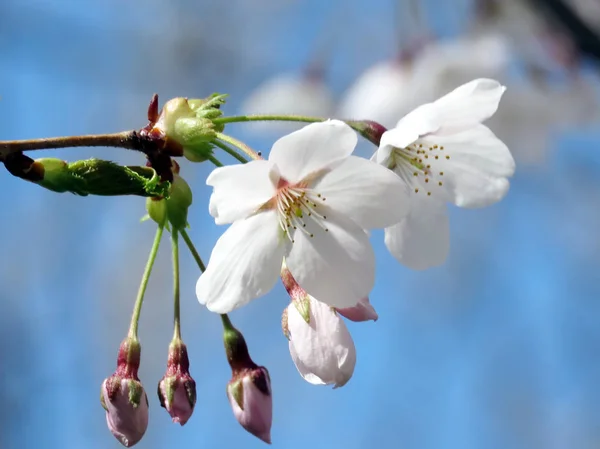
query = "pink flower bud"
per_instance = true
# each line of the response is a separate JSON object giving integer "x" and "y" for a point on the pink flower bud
{"x": 126, "y": 406}
{"x": 177, "y": 389}
{"x": 250, "y": 397}
{"x": 362, "y": 311}
{"x": 321, "y": 347}
{"x": 249, "y": 390}
{"x": 123, "y": 397}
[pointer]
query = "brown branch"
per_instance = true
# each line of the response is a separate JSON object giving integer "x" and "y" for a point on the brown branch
{"x": 131, "y": 140}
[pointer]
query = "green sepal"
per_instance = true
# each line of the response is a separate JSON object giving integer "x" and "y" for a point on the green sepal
{"x": 102, "y": 401}
{"x": 303, "y": 307}
{"x": 237, "y": 391}
{"x": 135, "y": 392}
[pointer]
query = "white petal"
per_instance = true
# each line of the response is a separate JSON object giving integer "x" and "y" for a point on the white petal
{"x": 337, "y": 265}
{"x": 469, "y": 104}
{"x": 312, "y": 148}
{"x": 420, "y": 122}
{"x": 244, "y": 264}
{"x": 322, "y": 350}
{"x": 474, "y": 174}
{"x": 422, "y": 239}
{"x": 369, "y": 194}
{"x": 239, "y": 190}
{"x": 362, "y": 311}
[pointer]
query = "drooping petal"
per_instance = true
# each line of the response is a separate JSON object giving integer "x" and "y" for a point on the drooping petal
{"x": 422, "y": 239}
{"x": 239, "y": 190}
{"x": 312, "y": 148}
{"x": 469, "y": 104}
{"x": 362, "y": 311}
{"x": 334, "y": 262}
{"x": 369, "y": 194}
{"x": 322, "y": 349}
{"x": 244, "y": 263}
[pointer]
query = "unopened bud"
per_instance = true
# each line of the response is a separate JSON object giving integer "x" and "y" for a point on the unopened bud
{"x": 177, "y": 389}
{"x": 249, "y": 390}
{"x": 180, "y": 199}
{"x": 157, "y": 209}
{"x": 249, "y": 394}
{"x": 123, "y": 397}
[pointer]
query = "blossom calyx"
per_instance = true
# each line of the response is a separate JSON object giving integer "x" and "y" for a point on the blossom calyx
{"x": 189, "y": 124}
{"x": 177, "y": 389}
{"x": 299, "y": 297}
{"x": 369, "y": 129}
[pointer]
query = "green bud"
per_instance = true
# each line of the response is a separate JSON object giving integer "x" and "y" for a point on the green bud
{"x": 157, "y": 209}
{"x": 180, "y": 199}
{"x": 199, "y": 152}
{"x": 303, "y": 307}
{"x": 99, "y": 177}
{"x": 194, "y": 135}
{"x": 172, "y": 111}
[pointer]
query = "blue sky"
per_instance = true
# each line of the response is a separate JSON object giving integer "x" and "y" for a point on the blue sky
{"x": 496, "y": 349}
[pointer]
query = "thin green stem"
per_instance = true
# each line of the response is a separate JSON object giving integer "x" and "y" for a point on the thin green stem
{"x": 176, "y": 295}
{"x": 224, "y": 318}
{"x": 192, "y": 249}
{"x": 230, "y": 151}
{"x": 268, "y": 118}
{"x": 239, "y": 144}
{"x": 226, "y": 322}
{"x": 133, "y": 328}
{"x": 214, "y": 160}
{"x": 368, "y": 129}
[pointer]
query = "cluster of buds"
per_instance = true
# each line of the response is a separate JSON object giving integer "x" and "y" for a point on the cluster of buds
{"x": 124, "y": 398}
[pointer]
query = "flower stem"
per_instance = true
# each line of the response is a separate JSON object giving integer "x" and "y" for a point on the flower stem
{"x": 369, "y": 129}
{"x": 127, "y": 139}
{"x": 176, "y": 308}
{"x": 192, "y": 249}
{"x": 227, "y": 323}
{"x": 133, "y": 327}
{"x": 239, "y": 144}
{"x": 214, "y": 160}
{"x": 231, "y": 151}
{"x": 268, "y": 118}
{"x": 224, "y": 318}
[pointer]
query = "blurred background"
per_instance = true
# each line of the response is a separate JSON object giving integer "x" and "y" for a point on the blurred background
{"x": 498, "y": 348}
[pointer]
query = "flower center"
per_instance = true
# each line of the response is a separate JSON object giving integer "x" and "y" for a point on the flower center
{"x": 298, "y": 205}
{"x": 421, "y": 164}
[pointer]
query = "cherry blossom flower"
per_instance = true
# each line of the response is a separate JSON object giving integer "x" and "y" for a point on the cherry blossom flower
{"x": 309, "y": 203}
{"x": 445, "y": 153}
